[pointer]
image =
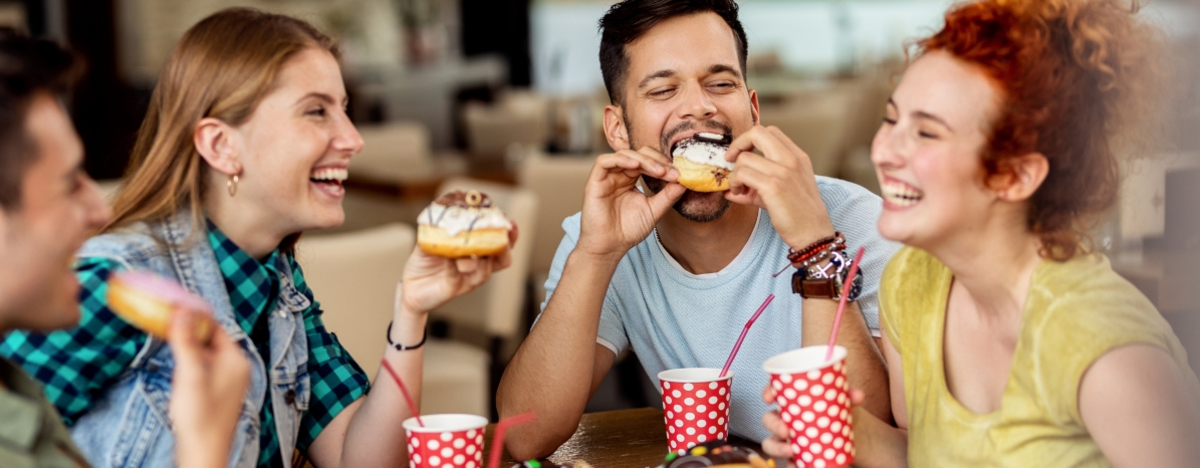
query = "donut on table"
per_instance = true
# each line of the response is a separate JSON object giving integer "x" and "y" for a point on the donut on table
{"x": 717, "y": 453}
{"x": 550, "y": 464}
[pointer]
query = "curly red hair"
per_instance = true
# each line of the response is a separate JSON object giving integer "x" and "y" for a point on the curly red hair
{"x": 1074, "y": 74}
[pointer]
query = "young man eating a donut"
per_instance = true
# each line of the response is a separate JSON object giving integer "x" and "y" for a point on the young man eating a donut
{"x": 673, "y": 274}
{"x": 48, "y": 205}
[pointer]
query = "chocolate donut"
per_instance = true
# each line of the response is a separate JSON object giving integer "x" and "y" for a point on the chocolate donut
{"x": 462, "y": 224}
{"x": 717, "y": 453}
{"x": 550, "y": 464}
{"x": 701, "y": 162}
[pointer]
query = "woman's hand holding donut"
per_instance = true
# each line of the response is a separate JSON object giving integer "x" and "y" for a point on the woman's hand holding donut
{"x": 207, "y": 390}
{"x": 781, "y": 180}
{"x": 429, "y": 281}
{"x": 616, "y": 215}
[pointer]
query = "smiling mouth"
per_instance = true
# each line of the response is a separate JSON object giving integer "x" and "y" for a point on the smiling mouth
{"x": 330, "y": 179}
{"x": 901, "y": 194}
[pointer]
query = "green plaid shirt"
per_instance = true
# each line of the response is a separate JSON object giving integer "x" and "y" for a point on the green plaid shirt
{"x": 78, "y": 365}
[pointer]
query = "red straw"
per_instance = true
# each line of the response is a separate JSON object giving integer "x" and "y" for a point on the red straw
{"x": 415, "y": 411}
{"x": 498, "y": 437}
{"x": 745, "y": 329}
{"x": 837, "y": 320}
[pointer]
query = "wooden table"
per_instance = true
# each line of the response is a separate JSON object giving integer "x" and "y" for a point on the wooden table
{"x": 613, "y": 439}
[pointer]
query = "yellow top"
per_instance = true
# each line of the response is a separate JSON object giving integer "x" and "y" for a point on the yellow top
{"x": 1076, "y": 311}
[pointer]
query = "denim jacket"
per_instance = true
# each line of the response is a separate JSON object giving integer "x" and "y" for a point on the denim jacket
{"x": 129, "y": 426}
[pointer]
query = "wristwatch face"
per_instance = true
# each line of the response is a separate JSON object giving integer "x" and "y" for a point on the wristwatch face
{"x": 833, "y": 269}
{"x": 826, "y": 281}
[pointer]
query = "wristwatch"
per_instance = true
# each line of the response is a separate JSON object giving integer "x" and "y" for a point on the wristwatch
{"x": 826, "y": 281}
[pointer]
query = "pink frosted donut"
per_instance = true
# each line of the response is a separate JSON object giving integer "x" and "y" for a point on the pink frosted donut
{"x": 147, "y": 301}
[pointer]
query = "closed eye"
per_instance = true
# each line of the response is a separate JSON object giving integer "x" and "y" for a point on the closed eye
{"x": 660, "y": 92}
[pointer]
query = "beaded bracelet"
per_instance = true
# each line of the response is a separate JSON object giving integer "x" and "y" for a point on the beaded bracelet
{"x": 817, "y": 252}
{"x": 797, "y": 256}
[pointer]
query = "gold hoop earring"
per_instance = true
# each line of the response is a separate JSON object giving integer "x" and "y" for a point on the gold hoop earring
{"x": 232, "y": 185}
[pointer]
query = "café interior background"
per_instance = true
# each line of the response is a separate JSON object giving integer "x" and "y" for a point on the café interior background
{"x": 506, "y": 96}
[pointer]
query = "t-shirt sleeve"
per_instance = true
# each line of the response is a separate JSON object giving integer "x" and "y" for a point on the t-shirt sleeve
{"x": 77, "y": 365}
{"x": 335, "y": 380}
{"x": 854, "y": 212}
{"x": 1080, "y": 327}
{"x": 611, "y": 333}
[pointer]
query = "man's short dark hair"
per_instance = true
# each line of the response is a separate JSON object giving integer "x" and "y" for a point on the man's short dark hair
{"x": 628, "y": 20}
{"x": 27, "y": 67}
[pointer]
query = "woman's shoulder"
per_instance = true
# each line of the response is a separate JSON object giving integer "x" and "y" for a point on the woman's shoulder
{"x": 913, "y": 285}
{"x": 912, "y": 274}
{"x": 124, "y": 244}
{"x": 1076, "y": 312}
{"x": 1085, "y": 293}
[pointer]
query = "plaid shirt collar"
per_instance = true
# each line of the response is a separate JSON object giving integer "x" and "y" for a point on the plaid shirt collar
{"x": 253, "y": 286}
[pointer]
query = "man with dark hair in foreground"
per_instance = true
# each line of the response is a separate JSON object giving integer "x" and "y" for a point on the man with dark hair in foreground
{"x": 673, "y": 274}
{"x": 48, "y": 205}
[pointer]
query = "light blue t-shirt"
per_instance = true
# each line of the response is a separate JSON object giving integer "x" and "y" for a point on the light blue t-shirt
{"x": 674, "y": 319}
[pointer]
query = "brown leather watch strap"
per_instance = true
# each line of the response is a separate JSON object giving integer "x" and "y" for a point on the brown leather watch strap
{"x": 815, "y": 288}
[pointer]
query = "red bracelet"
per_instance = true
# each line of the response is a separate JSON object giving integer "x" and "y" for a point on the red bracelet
{"x": 801, "y": 255}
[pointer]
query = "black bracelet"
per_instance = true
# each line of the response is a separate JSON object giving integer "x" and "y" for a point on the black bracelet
{"x": 399, "y": 347}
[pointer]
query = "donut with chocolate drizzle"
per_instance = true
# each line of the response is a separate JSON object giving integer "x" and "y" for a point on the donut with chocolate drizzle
{"x": 462, "y": 224}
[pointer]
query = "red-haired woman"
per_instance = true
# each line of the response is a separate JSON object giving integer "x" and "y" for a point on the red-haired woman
{"x": 1008, "y": 343}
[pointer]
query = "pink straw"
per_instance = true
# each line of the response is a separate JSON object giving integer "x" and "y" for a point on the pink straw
{"x": 415, "y": 411}
{"x": 745, "y": 329}
{"x": 837, "y": 320}
{"x": 498, "y": 437}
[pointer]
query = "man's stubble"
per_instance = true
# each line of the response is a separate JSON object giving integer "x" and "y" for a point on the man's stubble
{"x": 700, "y": 207}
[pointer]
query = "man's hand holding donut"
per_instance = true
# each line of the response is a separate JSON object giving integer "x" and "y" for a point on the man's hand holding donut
{"x": 781, "y": 180}
{"x": 616, "y": 215}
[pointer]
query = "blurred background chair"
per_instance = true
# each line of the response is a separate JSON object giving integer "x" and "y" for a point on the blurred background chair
{"x": 816, "y": 122}
{"x": 353, "y": 275}
{"x": 517, "y": 117}
{"x": 558, "y": 182}
{"x": 400, "y": 152}
{"x": 493, "y": 312}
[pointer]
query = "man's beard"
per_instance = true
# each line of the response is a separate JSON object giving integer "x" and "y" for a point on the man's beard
{"x": 700, "y": 207}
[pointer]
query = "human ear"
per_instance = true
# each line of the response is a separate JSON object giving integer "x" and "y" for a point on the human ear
{"x": 1022, "y": 177}
{"x": 614, "y": 127}
{"x": 754, "y": 105}
{"x": 214, "y": 140}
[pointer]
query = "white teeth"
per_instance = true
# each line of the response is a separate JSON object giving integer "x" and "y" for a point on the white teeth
{"x": 901, "y": 194}
{"x": 330, "y": 173}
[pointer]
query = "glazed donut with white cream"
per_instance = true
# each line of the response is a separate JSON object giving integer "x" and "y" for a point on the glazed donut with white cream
{"x": 701, "y": 162}
{"x": 462, "y": 224}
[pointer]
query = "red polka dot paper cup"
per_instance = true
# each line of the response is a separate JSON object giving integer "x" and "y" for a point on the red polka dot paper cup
{"x": 447, "y": 440}
{"x": 695, "y": 405}
{"x": 814, "y": 401}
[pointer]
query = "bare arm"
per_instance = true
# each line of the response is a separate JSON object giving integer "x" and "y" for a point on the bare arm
{"x": 879, "y": 443}
{"x": 781, "y": 180}
{"x": 864, "y": 363}
{"x": 1135, "y": 402}
{"x": 368, "y": 432}
{"x": 559, "y": 365}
